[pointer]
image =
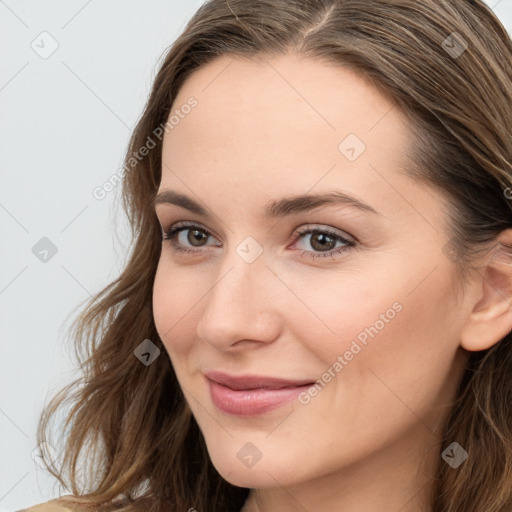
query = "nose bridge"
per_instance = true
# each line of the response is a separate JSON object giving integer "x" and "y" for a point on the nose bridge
{"x": 239, "y": 306}
{"x": 243, "y": 271}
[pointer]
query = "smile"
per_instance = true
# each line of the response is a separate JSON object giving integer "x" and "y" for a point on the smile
{"x": 252, "y": 395}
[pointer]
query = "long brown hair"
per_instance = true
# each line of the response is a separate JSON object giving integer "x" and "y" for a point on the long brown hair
{"x": 448, "y": 66}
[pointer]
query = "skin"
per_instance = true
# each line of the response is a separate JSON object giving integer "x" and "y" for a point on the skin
{"x": 369, "y": 440}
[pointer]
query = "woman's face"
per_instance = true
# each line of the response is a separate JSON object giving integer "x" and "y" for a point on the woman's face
{"x": 363, "y": 303}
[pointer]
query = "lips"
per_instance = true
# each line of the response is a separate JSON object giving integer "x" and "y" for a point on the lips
{"x": 249, "y": 395}
{"x": 254, "y": 381}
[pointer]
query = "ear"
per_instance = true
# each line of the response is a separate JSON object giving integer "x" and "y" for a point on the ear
{"x": 491, "y": 318}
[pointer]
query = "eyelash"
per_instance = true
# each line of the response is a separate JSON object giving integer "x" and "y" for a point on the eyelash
{"x": 177, "y": 228}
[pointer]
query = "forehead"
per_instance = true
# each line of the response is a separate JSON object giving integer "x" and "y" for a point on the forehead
{"x": 293, "y": 94}
{"x": 285, "y": 104}
{"x": 283, "y": 124}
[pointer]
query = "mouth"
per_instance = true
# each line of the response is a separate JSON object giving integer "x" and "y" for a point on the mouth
{"x": 250, "y": 395}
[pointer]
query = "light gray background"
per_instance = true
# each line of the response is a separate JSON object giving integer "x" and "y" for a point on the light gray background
{"x": 65, "y": 123}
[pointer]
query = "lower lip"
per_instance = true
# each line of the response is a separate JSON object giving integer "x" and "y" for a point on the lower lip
{"x": 250, "y": 402}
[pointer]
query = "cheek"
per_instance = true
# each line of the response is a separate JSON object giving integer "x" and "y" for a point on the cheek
{"x": 384, "y": 334}
{"x": 340, "y": 314}
{"x": 397, "y": 348}
{"x": 175, "y": 306}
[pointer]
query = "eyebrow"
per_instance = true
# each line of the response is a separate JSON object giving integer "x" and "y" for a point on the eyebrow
{"x": 275, "y": 208}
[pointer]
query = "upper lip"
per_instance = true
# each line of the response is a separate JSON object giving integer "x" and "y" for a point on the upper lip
{"x": 254, "y": 381}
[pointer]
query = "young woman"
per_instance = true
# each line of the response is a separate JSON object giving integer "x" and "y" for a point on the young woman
{"x": 316, "y": 314}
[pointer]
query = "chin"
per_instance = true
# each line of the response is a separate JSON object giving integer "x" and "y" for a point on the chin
{"x": 253, "y": 478}
{"x": 264, "y": 473}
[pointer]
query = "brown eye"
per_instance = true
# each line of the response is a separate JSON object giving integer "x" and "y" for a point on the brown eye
{"x": 195, "y": 237}
{"x": 320, "y": 241}
{"x": 323, "y": 241}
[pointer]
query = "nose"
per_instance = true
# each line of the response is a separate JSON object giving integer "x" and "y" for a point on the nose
{"x": 242, "y": 306}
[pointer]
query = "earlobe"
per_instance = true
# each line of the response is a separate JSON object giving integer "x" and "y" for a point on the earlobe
{"x": 491, "y": 318}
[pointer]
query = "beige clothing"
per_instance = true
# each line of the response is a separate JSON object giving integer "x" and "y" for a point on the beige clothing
{"x": 62, "y": 504}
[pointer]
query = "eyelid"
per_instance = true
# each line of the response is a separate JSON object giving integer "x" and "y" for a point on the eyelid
{"x": 187, "y": 224}
{"x": 308, "y": 228}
